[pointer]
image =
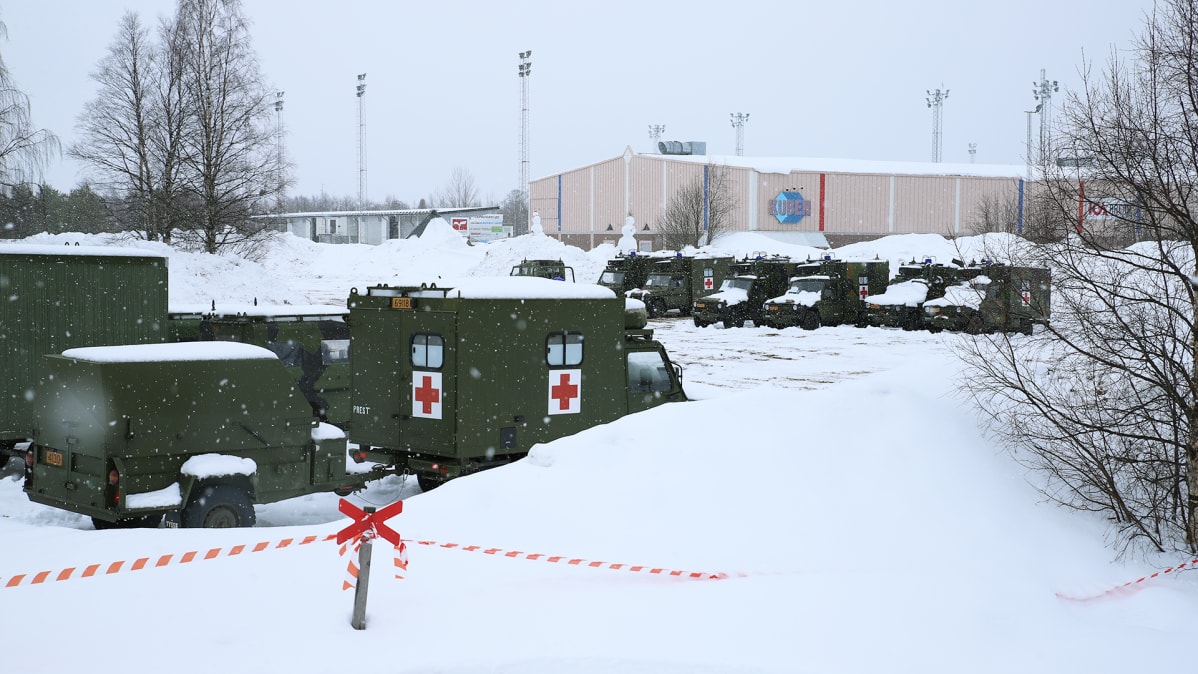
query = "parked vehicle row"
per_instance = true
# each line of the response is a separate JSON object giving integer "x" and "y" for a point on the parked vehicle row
{"x": 127, "y": 426}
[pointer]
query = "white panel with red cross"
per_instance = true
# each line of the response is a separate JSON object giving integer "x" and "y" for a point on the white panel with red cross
{"x": 565, "y": 391}
{"x": 426, "y": 395}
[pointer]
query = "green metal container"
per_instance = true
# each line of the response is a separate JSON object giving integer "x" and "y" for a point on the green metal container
{"x": 59, "y": 297}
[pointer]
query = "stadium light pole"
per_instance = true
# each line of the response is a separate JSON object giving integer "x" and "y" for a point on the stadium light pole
{"x": 524, "y": 69}
{"x": 738, "y": 123}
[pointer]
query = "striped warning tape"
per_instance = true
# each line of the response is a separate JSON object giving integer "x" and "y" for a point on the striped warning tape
{"x": 1133, "y": 585}
{"x": 400, "y": 562}
{"x": 159, "y": 562}
{"x": 569, "y": 561}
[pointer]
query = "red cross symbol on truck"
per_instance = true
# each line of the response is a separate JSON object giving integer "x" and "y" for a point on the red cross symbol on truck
{"x": 863, "y": 291}
{"x": 564, "y": 391}
{"x": 427, "y": 394}
{"x": 1026, "y": 297}
{"x": 708, "y": 283}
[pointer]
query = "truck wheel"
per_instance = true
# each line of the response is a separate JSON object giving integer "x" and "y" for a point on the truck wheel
{"x": 975, "y": 326}
{"x": 699, "y": 323}
{"x": 219, "y": 506}
{"x": 809, "y": 320}
{"x": 427, "y": 484}
{"x": 734, "y": 323}
{"x": 656, "y": 308}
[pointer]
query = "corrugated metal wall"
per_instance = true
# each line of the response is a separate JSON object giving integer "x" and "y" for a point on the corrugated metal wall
{"x": 593, "y": 198}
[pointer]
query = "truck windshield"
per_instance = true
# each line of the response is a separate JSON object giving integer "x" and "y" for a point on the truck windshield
{"x": 738, "y": 283}
{"x": 612, "y": 277}
{"x": 647, "y": 372}
{"x": 806, "y": 285}
{"x": 661, "y": 281}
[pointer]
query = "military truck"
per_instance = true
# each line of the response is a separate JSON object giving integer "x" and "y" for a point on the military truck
{"x": 550, "y": 269}
{"x": 198, "y": 432}
{"x": 311, "y": 340}
{"x": 59, "y": 297}
{"x": 675, "y": 283}
{"x": 448, "y": 381}
{"x": 626, "y": 272}
{"x": 1002, "y": 298}
{"x": 901, "y": 305}
{"x": 741, "y": 295}
{"x": 828, "y": 291}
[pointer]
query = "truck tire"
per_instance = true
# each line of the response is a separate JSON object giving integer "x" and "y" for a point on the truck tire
{"x": 427, "y": 484}
{"x": 656, "y": 308}
{"x": 700, "y": 323}
{"x": 737, "y": 322}
{"x": 809, "y": 320}
{"x": 219, "y": 506}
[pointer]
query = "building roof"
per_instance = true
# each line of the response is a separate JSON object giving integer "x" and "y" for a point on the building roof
{"x": 823, "y": 165}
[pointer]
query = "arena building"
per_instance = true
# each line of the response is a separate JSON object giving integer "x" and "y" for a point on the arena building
{"x": 817, "y": 202}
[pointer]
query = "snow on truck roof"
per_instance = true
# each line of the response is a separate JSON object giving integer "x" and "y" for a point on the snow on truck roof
{"x": 230, "y": 309}
{"x": 83, "y": 251}
{"x": 175, "y": 352}
{"x": 527, "y": 288}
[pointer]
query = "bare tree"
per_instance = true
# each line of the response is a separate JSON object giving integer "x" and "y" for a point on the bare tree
{"x": 1102, "y": 404}
{"x": 701, "y": 211}
{"x": 24, "y": 150}
{"x": 461, "y": 191}
{"x": 117, "y": 127}
{"x": 515, "y": 210}
{"x": 228, "y": 160}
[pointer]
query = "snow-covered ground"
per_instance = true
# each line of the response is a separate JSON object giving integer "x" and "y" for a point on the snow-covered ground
{"x": 858, "y": 519}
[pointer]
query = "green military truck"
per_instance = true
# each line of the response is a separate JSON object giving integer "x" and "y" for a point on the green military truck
{"x": 198, "y": 432}
{"x": 740, "y": 297}
{"x": 675, "y": 283}
{"x": 626, "y": 272}
{"x": 59, "y": 297}
{"x": 450, "y": 381}
{"x": 901, "y": 305}
{"x": 1001, "y": 298}
{"x": 827, "y": 292}
{"x": 550, "y": 269}
{"x": 311, "y": 340}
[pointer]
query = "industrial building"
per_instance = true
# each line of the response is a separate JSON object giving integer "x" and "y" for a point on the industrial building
{"x": 795, "y": 200}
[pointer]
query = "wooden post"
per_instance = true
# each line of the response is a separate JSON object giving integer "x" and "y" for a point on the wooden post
{"x": 358, "y": 620}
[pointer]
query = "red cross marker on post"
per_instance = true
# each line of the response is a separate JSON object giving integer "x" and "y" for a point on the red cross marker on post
{"x": 367, "y": 525}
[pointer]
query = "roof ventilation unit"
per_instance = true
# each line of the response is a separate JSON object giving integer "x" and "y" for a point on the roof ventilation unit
{"x": 679, "y": 147}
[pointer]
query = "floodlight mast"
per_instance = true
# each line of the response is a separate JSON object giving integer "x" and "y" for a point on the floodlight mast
{"x": 936, "y": 103}
{"x": 362, "y": 141}
{"x": 738, "y": 122}
{"x": 279, "y": 146}
{"x": 655, "y": 131}
{"x": 1043, "y": 92}
{"x": 524, "y": 69}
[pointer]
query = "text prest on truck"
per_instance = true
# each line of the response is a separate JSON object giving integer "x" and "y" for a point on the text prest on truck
{"x": 450, "y": 381}
{"x": 197, "y": 431}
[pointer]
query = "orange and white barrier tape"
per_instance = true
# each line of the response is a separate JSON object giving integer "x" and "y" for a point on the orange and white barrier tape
{"x": 569, "y": 561}
{"x": 1133, "y": 585}
{"x": 159, "y": 562}
{"x": 400, "y": 562}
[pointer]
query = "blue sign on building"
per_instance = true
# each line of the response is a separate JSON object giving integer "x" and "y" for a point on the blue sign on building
{"x": 790, "y": 208}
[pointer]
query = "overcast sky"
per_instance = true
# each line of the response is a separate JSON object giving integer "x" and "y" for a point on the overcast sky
{"x": 844, "y": 80}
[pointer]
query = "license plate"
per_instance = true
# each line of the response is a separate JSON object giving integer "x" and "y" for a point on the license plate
{"x": 774, "y": 307}
{"x": 53, "y": 458}
{"x": 700, "y": 307}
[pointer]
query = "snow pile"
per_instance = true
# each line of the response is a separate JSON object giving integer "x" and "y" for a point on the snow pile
{"x": 908, "y": 293}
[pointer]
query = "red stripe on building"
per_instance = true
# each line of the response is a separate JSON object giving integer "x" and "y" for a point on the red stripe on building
{"x": 823, "y": 180}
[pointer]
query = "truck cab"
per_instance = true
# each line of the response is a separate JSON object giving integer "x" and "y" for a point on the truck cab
{"x": 749, "y": 283}
{"x": 827, "y": 292}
